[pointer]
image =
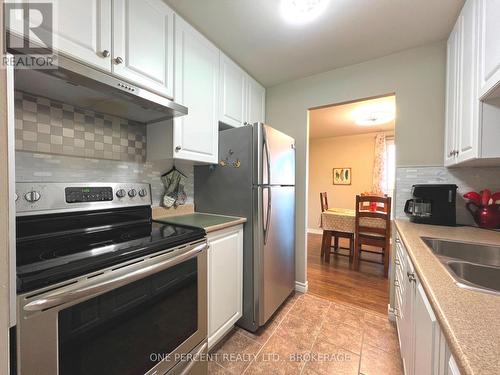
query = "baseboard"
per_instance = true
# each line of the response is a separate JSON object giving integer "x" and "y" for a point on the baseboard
{"x": 391, "y": 313}
{"x": 301, "y": 287}
{"x": 314, "y": 231}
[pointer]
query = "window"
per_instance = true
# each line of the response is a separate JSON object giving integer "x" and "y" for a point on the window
{"x": 390, "y": 166}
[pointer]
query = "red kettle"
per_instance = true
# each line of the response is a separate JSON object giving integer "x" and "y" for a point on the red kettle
{"x": 484, "y": 208}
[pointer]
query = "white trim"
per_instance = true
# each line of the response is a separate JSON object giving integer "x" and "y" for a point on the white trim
{"x": 315, "y": 230}
{"x": 391, "y": 313}
{"x": 301, "y": 287}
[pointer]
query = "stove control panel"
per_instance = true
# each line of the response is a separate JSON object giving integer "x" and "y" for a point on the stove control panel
{"x": 42, "y": 197}
{"x": 88, "y": 194}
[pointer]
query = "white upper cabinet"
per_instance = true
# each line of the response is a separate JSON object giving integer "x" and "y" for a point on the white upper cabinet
{"x": 232, "y": 94}
{"x": 473, "y": 68}
{"x": 452, "y": 76}
{"x": 197, "y": 87}
{"x": 256, "y": 102}
{"x": 82, "y": 30}
{"x": 468, "y": 109}
{"x": 143, "y": 44}
{"x": 489, "y": 48}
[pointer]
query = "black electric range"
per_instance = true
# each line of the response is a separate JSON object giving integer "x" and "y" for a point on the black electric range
{"x": 56, "y": 244}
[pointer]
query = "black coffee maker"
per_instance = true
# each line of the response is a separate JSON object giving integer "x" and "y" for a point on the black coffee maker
{"x": 433, "y": 204}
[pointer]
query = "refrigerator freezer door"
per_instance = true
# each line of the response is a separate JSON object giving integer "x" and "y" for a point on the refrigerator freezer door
{"x": 275, "y": 162}
{"x": 274, "y": 233}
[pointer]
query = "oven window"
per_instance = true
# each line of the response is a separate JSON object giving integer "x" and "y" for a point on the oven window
{"x": 117, "y": 332}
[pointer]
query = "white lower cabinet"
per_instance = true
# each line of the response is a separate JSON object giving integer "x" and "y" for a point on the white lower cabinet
{"x": 225, "y": 281}
{"x": 423, "y": 345}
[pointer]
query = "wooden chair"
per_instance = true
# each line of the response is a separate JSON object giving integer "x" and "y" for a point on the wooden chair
{"x": 371, "y": 235}
{"x": 326, "y": 242}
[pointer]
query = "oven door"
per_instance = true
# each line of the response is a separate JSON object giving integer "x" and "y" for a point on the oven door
{"x": 137, "y": 318}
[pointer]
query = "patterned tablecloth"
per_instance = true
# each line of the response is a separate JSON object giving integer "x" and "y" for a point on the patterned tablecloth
{"x": 344, "y": 220}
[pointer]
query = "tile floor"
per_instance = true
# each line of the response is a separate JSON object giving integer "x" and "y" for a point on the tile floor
{"x": 310, "y": 335}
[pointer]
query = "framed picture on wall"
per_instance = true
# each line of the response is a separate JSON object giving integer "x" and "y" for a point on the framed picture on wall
{"x": 341, "y": 176}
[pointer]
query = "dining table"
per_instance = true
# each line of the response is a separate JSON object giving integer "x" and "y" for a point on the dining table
{"x": 343, "y": 220}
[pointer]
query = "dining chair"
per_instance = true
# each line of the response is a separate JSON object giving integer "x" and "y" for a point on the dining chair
{"x": 373, "y": 228}
{"x": 326, "y": 241}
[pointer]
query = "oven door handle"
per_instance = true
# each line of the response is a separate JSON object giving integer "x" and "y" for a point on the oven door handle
{"x": 96, "y": 288}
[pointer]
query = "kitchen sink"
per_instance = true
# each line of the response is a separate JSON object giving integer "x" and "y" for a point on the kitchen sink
{"x": 473, "y": 266}
{"x": 476, "y": 274}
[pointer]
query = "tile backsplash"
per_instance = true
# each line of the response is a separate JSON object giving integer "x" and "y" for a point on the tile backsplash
{"x": 48, "y": 126}
{"x": 60, "y": 168}
{"x": 466, "y": 178}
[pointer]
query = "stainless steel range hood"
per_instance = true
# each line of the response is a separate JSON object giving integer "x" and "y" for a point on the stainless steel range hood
{"x": 77, "y": 84}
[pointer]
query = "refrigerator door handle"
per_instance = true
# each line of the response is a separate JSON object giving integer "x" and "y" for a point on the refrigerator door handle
{"x": 268, "y": 212}
{"x": 268, "y": 157}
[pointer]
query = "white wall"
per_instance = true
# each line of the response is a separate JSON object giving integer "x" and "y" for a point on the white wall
{"x": 416, "y": 76}
{"x": 352, "y": 151}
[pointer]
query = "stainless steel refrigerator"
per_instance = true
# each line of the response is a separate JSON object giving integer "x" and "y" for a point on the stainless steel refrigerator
{"x": 255, "y": 178}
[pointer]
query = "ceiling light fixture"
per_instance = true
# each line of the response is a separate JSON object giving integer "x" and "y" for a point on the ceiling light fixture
{"x": 376, "y": 114}
{"x": 302, "y": 11}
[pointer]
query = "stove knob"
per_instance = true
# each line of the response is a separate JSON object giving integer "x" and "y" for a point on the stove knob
{"x": 121, "y": 193}
{"x": 132, "y": 193}
{"x": 32, "y": 196}
{"x": 143, "y": 193}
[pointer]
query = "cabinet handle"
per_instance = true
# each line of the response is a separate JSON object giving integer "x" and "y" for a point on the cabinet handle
{"x": 178, "y": 148}
{"x": 398, "y": 240}
{"x": 397, "y": 262}
{"x": 105, "y": 53}
{"x": 396, "y": 283}
{"x": 118, "y": 60}
{"x": 411, "y": 277}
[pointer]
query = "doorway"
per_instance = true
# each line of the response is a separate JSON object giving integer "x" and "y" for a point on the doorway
{"x": 351, "y": 152}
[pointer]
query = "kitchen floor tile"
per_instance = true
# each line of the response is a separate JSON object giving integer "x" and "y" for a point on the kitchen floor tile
{"x": 341, "y": 335}
{"x": 375, "y": 361}
{"x": 327, "y": 359}
{"x": 312, "y": 336}
{"x": 216, "y": 369}
{"x": 381, "y": 333}
{"x": 236, "y": 352}
{"x": 347, "y": 315}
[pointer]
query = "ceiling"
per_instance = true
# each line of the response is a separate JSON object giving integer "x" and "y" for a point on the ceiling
{"x": 254, "y": 34}
{"x": 339, "y": 120}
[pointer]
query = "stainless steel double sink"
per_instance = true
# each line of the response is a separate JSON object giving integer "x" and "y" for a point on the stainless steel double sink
{"x": 473, "y": 266}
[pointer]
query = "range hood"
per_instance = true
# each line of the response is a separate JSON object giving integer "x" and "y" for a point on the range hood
{"x": 82, "y": 86}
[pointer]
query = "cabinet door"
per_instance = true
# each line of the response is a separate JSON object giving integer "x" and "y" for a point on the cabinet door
{"x": 452, "y": 367}
{"x": 196, "y": 87}
{"x": 143, "y": 44}
{"x": 232, "y": 92}
{"x": 407, "y": 327}
{"x": 256, "y": 102}
{"x": 452, "y": 94}
{"x": 81, "y": 30}
{"x": 468, "y": 110}
{"x": 427, "y": 338}
{"x": 489, "y": 47}
{"x": 225, "y": 281}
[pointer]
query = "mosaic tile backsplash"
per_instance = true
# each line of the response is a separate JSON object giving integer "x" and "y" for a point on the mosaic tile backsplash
{"x": 467, "y": 179}
{"x": 44, "y": 125}
{"x": 60, "y": 168}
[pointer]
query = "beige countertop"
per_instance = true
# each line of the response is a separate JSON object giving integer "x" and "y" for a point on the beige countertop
{"x": 209, "y": 222}
{"x": 470, "y": 320}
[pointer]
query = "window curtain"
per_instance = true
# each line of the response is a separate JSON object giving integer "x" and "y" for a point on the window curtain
{"x": 379, "y": 184}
